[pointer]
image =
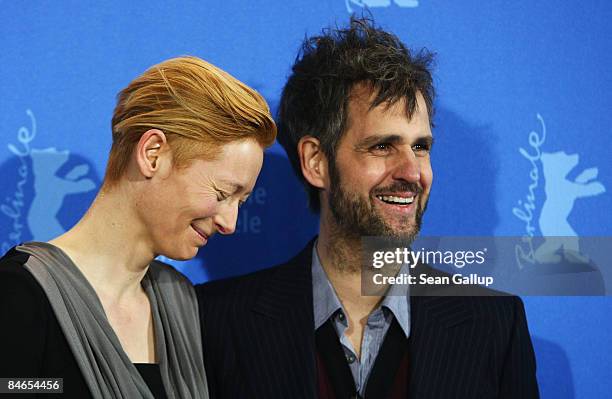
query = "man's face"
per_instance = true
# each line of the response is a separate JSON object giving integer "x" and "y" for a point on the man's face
{"x": 380, "y": 183}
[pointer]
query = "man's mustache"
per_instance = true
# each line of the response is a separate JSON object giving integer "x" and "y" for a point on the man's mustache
{"x": 399, "y": 188}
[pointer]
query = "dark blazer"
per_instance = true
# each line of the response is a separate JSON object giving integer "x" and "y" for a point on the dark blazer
{"x": 259, "y": 341}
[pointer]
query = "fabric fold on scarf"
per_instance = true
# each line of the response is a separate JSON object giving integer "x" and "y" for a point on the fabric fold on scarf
{"x": 107, "y": 370}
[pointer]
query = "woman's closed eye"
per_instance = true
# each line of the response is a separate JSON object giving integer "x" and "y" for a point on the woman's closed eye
{"x": 222, "y": 196}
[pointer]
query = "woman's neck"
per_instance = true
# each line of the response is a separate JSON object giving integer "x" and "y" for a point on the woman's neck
{"x": 110, "y": 246}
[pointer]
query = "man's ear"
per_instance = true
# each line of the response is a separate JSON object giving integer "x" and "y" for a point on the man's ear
{"x": 149, "y": 151}
{"x": 313, "y": 162}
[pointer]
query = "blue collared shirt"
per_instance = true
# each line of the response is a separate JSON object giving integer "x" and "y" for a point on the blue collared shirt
{"x": 327, "y": 305}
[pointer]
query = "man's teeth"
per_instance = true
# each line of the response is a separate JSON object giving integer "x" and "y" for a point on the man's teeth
{"x": 391, "y": 199}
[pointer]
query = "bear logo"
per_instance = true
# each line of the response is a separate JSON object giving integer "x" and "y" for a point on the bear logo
{"x": 561, "y": 194}
{"x": 50, "y": 190}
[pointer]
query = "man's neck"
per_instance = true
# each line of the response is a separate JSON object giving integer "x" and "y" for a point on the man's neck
{"x": 341, "y": 260}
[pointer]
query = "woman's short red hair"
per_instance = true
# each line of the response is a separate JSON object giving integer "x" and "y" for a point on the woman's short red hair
{"x": 198, "y": 106}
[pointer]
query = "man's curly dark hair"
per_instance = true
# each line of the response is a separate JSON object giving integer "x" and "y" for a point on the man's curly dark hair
{"x": 315, "y": 99}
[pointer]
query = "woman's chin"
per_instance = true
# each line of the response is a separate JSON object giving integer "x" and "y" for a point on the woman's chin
{"x": 182, "y": 254}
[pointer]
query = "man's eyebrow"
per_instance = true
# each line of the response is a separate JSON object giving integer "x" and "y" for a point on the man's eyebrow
{"x": 429, "y": 140}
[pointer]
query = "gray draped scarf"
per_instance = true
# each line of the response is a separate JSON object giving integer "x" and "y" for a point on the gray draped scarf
{"x": 107, "y": 370}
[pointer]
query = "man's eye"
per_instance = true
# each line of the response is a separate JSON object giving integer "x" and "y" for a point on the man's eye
{"x": 421, "y": 147}
{"x": 381, "y": 147}
{"x": 221, "y": 196}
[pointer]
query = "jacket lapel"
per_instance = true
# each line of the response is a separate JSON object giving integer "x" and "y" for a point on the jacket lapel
{"x": 282, "y": 333}
{"x": 445, "y": 344}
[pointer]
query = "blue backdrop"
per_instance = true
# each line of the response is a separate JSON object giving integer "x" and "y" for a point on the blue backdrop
{"x": 523, "y": 129}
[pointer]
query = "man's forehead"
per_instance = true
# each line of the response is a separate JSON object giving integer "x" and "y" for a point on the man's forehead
{"x": 363, "y": 95}
{"x": 386, "y": 119}
{"x": 361, "y": 98}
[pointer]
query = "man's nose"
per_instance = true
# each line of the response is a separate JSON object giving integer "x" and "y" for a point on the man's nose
{"x": 407, "y": 167}
{"x": 225, "y": 220}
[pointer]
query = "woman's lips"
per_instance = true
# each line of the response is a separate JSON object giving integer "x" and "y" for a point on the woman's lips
{"x": 201, "y": 233}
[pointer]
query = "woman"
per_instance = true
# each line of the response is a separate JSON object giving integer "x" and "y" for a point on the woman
{"x": 92, "y": 306}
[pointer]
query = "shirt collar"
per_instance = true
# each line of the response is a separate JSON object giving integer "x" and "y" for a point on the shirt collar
{"x": 397, "y": 301}
{"x": 326, "y": 302}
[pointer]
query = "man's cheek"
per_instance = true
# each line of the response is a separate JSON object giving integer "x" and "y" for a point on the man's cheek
{"x": 426, "y": 176}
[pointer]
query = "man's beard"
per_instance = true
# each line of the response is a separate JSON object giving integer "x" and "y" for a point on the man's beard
{"x": 357, "y": 217}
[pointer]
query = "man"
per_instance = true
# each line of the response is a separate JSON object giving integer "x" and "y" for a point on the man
{"x": 355, "y": 120}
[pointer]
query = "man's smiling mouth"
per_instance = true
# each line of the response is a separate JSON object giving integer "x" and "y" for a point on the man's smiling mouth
{"x": 395, "y": 200}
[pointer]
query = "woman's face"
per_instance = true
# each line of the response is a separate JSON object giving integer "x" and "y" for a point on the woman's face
{"x": 186, "y": 206}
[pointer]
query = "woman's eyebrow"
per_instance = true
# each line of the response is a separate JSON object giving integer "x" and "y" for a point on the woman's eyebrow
{"x": 236, "y": 187}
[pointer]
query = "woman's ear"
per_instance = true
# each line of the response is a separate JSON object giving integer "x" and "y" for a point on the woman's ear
{"x": 313, "y": 162}
{"x": 149, "y": 151}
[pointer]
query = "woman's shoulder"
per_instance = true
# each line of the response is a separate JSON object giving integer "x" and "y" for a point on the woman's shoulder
{"x": 24, "y": 316}
{"x": 13, "y": 257}
{"x": 22, "y": 300}
{"x": 17, "y": 284}
{"x": 32, "y": 342}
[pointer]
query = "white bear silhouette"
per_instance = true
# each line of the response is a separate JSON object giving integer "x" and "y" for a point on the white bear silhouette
{"x": 50, "y": 190}
{"x": 561, "y": 194}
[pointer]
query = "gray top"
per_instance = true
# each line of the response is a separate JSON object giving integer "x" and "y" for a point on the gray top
{"x": 107, "y": 370}
{"x": 327, "y": 306}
